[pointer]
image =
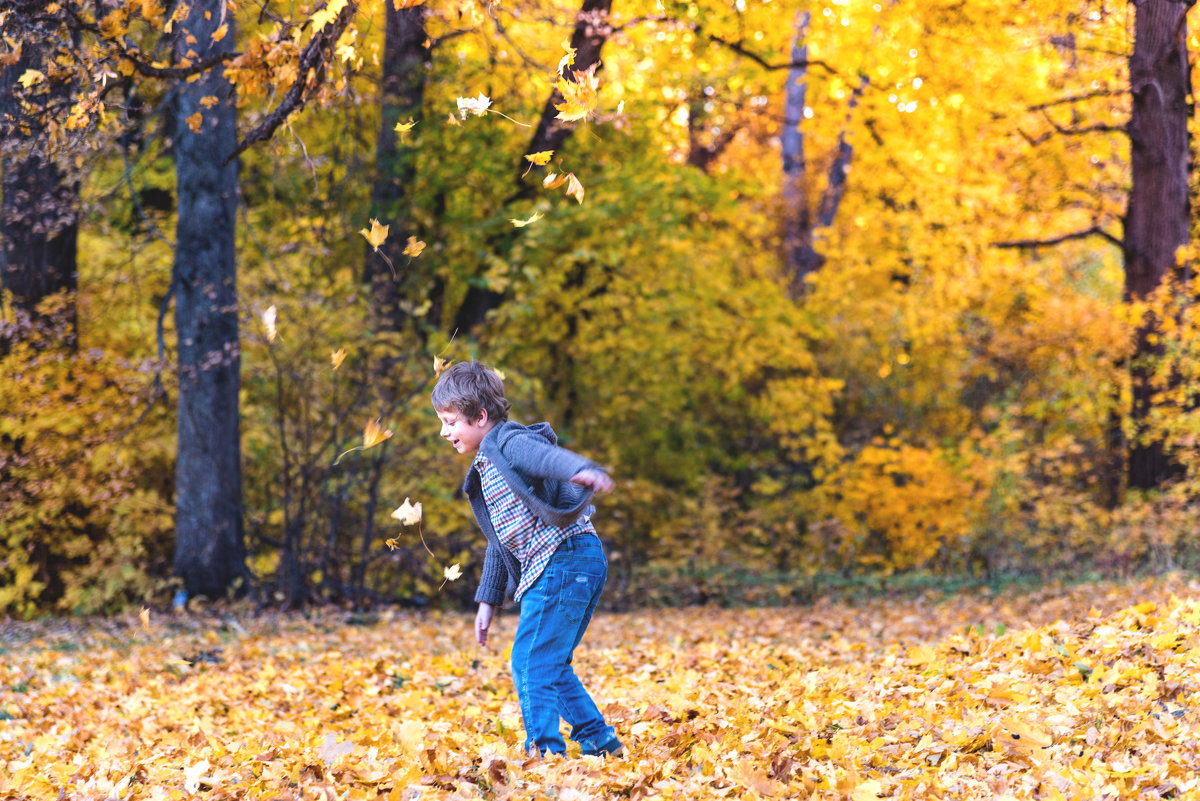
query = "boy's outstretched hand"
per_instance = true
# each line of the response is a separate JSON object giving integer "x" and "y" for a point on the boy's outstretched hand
{"x": 483, "y": 620}
{"x": 594, "y": 479}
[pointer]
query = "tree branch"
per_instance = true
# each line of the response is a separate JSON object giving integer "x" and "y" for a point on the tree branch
{"x": 1095, "y": 230}
{"x": 314, "y": 58}
{"x": 1078, "y": 98}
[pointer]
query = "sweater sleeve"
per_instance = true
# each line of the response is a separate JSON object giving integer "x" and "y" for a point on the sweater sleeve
{"x": 533, "y": 456}
{"x": 494, "y": 580}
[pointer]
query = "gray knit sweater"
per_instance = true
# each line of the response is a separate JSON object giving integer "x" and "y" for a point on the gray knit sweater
{"x": 539, "y": 473}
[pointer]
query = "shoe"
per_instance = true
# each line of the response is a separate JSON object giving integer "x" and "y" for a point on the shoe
{"x": 612, "y": 748}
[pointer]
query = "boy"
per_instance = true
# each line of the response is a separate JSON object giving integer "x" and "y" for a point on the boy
{"x": 531, "y": 500}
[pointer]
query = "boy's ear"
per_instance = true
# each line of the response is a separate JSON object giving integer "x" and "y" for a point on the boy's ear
{"x": 482, "y": 418}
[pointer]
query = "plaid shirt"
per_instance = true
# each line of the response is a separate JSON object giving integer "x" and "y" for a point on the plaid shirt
{"x": 519, "y": 530}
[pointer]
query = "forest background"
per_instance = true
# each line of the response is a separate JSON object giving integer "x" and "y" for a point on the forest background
{"x": 835, "y": 290}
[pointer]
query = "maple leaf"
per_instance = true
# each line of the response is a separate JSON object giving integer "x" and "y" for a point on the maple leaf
{"x": 330, "y": 750}
{"x": 208, "y": 101}
{"x": 552, "y": 181}
{"x": 474, "y": 105}
{"x": 268, "y": 318}
{"x": 392, "y": 544}
{"x": 537, "y": 215}
{"x": 414, "y": 247}
{"x": 327, "y": 15}
{"x": 220, "y": 32}
{"x": 452, "y": 120}
{"x": 193, "y": 776}
{"x": 30, "y": 77}
{"x": 541, "y": 158}
{"x": 440, "y": 364}
{"x": 407, "y": 513}
{"x": 451, "y": 573}
{"x": 568, "y": 59}
{"x": 337, "y": 357}
{"x": 377, "y": 235}
{"x": 403, "y": 129}
{"x": 195, "y": 122}
{"x": 374, "y": 433}
{"x": 574, "y": 187}
{"x": 144, "y": 616}
{"x": 580, "y": 96}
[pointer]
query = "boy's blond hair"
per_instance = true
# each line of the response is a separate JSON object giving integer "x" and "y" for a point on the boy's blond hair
{"x": 469, "y": 388}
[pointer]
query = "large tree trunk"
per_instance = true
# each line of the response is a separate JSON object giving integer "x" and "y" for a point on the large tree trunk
{"x": 401, "y": 94}
{"x": 209, "y": 544}
{"x": 39, "y": 207}
{"x": 1156, "y": 221}
{"x": 592, "y": 29}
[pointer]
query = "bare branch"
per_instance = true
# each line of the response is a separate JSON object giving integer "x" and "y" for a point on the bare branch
{"x": 1062, "y": 101}
{"x": 314, "y": 59}
{"x": 1026, "y": 244}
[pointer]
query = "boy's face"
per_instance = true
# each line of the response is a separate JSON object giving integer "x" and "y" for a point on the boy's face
{"x": 465, "y": 435}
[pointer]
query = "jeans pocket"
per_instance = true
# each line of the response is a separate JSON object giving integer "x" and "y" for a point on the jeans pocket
{"x": 578, "y": 590}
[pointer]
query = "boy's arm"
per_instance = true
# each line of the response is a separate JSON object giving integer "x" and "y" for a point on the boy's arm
{"x": 534, "y": 456}
{"x": 494, "y": 580}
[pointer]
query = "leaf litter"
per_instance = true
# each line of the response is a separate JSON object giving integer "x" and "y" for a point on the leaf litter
{"x": 1089, "y": 691}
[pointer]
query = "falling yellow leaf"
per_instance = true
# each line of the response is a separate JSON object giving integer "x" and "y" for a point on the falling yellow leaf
{"x": 440, "y": 364}
{"x": 580, "y": 96}
{"x": 377, "y": 235}
{"x": 452, "y": 573}
{"x": 453, "y": 120}
{"x": 219, "y": 33}
{"x": 407, "y": 513}
{"x": 568, "y": 59}
{"x": 541, "y": 158}
{"x": 403, "y": 129}
{"x": 144, "y": 616}
{"x": 195, "y": 122}
{"x": 414, "y": 247}
{"x": 338, "y": 357}
{"x": 553, "y": 181}
{"x": 30, "y": 77}
{"x": 474, "y": 105}
{"x": 537, "y": 215}
{"x": 392, "y": 544}
{"x": 268, "y": 318}
{"x": 374, "y": 433}
{"x": 574, "y": 188}
{"x": 208, "y": 101}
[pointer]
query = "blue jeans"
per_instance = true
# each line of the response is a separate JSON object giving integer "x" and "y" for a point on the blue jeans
{"x": 555, "y": 613}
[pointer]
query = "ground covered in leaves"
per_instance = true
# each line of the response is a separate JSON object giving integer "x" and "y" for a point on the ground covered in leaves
{"x": 1084, "y": 692}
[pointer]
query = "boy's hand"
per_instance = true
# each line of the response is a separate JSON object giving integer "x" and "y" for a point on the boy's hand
{"x": 594, "y": 479}
{"x": 483, "y": 620}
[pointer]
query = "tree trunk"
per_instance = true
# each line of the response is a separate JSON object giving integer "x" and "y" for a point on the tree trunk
{"x": 39, "y": 206}
{"x": 209, "y": 544}
{"x": 800, "y": 255}
{"x": 800, "y": 258}
{"x": 592, "y": 30}
{"x": 401, "y": 94}
{"x": 1156, "y": 221}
